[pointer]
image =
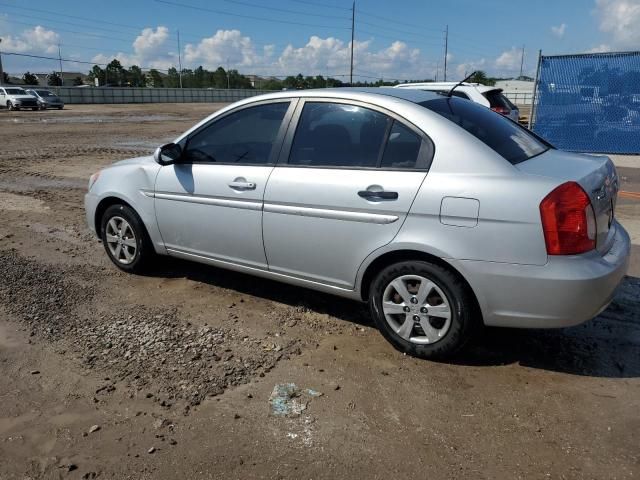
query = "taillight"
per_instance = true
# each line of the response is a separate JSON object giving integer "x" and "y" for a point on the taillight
{"x": 568, "y": 221}
{"x": 501, "y": 110}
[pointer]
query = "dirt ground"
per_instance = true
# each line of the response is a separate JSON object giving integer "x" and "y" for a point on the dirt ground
{"x": 166, "y": 376}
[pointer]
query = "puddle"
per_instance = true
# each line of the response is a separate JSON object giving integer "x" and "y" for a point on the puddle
{"x": 20, "y": 203}
{"x": 90, "y": 119}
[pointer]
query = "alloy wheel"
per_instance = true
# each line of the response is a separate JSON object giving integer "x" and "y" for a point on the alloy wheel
{"x": 121, "y": 240}
{"x": 417, "y": 309}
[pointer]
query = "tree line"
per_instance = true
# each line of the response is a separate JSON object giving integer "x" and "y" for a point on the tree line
{"x": 115, "y": 75}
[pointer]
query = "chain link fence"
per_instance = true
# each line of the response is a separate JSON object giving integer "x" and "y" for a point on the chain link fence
{"x": 589, "y": 102}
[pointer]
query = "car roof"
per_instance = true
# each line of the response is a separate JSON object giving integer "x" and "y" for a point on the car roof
{"x": 355, "y": 93}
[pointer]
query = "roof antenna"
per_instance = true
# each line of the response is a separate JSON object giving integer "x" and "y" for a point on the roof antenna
{"x": 460, "y": 83}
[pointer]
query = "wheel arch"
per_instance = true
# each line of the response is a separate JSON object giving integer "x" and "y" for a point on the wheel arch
{"x": 394, "y": 256}
{"x": 102, "y": 207}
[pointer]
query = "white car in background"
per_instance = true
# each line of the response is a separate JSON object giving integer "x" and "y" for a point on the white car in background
{"x": 15, "y": 98}
{"x": 490, "y": 97}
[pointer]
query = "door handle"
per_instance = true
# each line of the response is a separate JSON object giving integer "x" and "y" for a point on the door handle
{"x": 372, "y": 195}
{"x": 242, "y": 185}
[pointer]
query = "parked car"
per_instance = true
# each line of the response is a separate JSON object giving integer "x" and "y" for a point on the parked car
{"x": 15, "y": 98}
{"x": 490, "y": 97}
{"x": 46, "y": 99}
{"x": 440, "y": 214}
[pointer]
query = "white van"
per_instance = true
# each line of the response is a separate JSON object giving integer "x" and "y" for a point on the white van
{"x": 490, "y": 97}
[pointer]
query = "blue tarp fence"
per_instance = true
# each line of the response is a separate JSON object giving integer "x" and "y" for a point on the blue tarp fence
{"x": 589, "y": 102}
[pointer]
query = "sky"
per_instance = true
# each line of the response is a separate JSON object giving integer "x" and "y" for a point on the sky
{"x": 394, "y": 40}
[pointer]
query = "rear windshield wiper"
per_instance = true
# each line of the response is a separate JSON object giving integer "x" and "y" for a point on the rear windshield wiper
{"x": 460, "y": 83}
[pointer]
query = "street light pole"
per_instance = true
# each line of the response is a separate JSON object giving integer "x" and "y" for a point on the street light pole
{"x": 1, "y": 70}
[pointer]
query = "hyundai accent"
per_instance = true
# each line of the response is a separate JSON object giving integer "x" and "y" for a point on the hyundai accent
{"x": 441, "y": 214}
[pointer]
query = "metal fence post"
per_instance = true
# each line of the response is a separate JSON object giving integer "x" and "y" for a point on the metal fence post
{"x": 535, "y": 90}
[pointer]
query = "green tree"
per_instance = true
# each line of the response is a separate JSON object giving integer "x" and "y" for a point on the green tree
{"x": 172, "y": 79}
{"x": 54, "y": 80}
{"x": 77, "y": 82}
{"x": 135, "y": 77}
{"x": 29, "y": 79}
{"x": 481, "y": 77}
{"x": 154, "y": 79}
{"x": 115, "y": 73}
{"x": 5, "y": 79}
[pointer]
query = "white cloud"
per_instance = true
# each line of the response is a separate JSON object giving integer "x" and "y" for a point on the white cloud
{"x": 466, "y": 68}
{"x": 226, "y": 47}
{"x": 560, "y": 30}
{"x": 620, "y": 19}
{"x": 150, "y": 49}
{"x": 602, "y": 48}
{"x": 33, "y": 40}
{"x": 509, "y": 60}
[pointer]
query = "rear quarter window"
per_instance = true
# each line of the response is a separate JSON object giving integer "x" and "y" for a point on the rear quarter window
{"x": 513, "y": 142}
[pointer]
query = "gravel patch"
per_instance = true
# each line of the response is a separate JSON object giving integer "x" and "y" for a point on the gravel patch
{"x": 151, "y": 351}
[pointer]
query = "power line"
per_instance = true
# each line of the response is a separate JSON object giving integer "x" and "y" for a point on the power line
{"x": 73, "y": 24}
{"x": 251, "y": 17}
{"x": 420, "y": 27}
{"x": 71, "y": 16}
{"x": 110, "y": 37}
{"x": 321, "y": 4}
{"x": 284, "y": 10}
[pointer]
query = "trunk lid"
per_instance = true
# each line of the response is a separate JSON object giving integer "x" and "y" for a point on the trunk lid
{"x": 596, "y": 174}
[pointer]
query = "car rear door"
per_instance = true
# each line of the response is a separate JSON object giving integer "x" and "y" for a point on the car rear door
{"x": 345, "y": 181}
{"x": 209, "y": 205}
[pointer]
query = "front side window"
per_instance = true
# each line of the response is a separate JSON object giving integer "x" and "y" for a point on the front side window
{"x": 243, "y": 137}
{"x": 513, "y": 142}
{"x": 338, "y": 135}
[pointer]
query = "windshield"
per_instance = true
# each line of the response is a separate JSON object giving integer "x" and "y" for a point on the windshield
{"x": 45, "y": 93}
{"x": 515, "y": 143}
{"x": 15, "y": 91}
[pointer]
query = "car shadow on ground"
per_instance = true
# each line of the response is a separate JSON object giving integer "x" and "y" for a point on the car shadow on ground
{"x": 607, "y": 346}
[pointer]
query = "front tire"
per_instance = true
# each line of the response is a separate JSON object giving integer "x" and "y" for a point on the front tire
{"x": 423, "y": 309}
{"x": 125, "y": 239}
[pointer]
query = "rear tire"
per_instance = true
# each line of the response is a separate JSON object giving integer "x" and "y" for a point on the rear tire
{"x": 423, "y": 309}
{"x": 125, "y": 239}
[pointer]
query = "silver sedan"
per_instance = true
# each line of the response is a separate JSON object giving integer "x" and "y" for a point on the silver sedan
{"x": 442, "y": 215}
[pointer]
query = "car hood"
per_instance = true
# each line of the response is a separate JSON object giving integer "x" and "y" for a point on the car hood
{"x": 143, "y": 161}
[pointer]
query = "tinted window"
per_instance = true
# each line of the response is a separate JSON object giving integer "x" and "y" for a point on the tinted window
{"x": 402, "y": 148}
{"x": 338, "y": 135}
{"x": 497, "y": 100}
{"x": 245, "y": 136}
{"x": 509, "y": 139}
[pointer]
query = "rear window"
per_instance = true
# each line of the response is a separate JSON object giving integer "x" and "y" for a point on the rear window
{"x": 513, "y": 142}
{"x": 498, "y": 100}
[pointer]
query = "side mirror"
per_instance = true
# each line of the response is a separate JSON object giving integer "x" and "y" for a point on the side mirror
{"x": 168, "y": 154}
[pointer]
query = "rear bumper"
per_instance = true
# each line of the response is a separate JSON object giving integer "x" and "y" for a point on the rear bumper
{"x": 566, "y": 291}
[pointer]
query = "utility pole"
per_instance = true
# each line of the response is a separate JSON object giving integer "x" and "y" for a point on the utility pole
{"x": 60, "y": 60}
{"x": 437, "y": 70}
{"x": 179, "y": 60}
{"x": 446, "y": 51}
{"x": 522, "y": 61}
{"x": 353, "y": 26}
{"x": 1, "y": 70}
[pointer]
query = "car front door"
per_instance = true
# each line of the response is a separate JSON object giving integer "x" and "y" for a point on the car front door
{"x": 344, "y": 184}
{"x": 3, "y": 98}
{"x": 209, "y": 204}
